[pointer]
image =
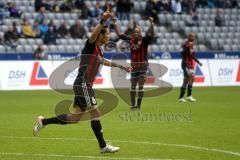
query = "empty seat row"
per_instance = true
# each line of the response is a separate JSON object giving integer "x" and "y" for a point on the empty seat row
{"x": 173, "y": 48}
{"x": 208, "y": 36}
{"x": 229, "y": 38}
{"x": 232, "y": 23}
{"x": 212, "y": 17}
{"x": 78, "y": 48}
{"x": 212, "y": 30}
{"x": 67, "y": 41}
{"x": 168, "y": 18}
{"x": 29, "y": 41}
{"x": 231, "y": 47}
{"x": 170, "y": 41}
{"x": 214, "y": 11}
{"x": 48, "y": 49}
{"x": 220, "y": 45}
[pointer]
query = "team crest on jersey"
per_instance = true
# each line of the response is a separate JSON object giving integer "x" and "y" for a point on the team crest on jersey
{"x": 39, "y": 76}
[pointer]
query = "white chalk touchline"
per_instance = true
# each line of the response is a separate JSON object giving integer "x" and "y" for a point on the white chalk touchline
{"x": 136, "y": 142}
{"x": 78, "y": 156}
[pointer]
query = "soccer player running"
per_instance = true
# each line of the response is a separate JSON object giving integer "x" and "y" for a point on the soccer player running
{"x": 85, "y": 100}
{"x": 188, "y": 58}
{"x": 139, "y": 59}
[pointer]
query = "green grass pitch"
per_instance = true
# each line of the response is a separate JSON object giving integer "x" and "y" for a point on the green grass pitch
{"x": 212, "y": 132}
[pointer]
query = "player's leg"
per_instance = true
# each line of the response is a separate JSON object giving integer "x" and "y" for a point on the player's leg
{"x": 98, "y": 131}
{"x": 133, "y": 91}
{"x": 80, "y": 104}
{"x": 65, "y": 118}
{"x": 184, "y": 85}
{"x": 62, "y": 119}
{"x": 189, "y": 89}
{"x": 141, "y": 82}
{"x": 96, "y": 126}
{"x": 190, "y": 84}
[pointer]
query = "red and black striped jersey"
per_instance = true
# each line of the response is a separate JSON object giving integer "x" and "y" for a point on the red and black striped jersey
{"x": 138, "y": 51}
{"x": 188, "y": 55}
{"x": 90, "y": 61}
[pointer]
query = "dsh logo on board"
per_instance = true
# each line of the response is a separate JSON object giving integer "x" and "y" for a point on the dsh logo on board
{"x": 199, "y": 77}
{"x": 38, "y": 77}
{"x": 98, "y": 79}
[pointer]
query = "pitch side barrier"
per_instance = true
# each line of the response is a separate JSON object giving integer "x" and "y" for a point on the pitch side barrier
{"x": 35, "y": 75}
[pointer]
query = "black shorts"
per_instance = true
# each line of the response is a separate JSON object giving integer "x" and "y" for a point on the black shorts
{"x": 84, "y": 96}
{"x": 138, "y": 74}
{"x": 187, "y": 71}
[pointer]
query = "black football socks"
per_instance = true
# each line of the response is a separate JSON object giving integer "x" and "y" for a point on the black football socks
{"x": 61, "y": 119}
{"x": 182, "y": 92}
{"x": 133, "y": 96}
{"x": 97, "y": 129}
{"x": 189, "y": 90}
{"x": 140, "y": 96}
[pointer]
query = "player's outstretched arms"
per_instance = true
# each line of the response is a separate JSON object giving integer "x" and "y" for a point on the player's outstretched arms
{"x": 116, "y": 26}
{"x": 99, "y": 26}
{"x": 112, "y": 64}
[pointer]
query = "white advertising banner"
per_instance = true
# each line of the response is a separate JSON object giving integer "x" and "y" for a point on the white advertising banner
{"x": 225, "y": 72}
{"x": 31, "y": 75}
{"x": 174, "y": 75}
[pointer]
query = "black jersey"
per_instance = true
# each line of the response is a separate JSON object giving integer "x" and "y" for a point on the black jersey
{"x": 138, "y": 51}
{"x": 90, "y": 61}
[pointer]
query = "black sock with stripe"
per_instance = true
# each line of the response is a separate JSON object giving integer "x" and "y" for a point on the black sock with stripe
{"x": 97, "y": 129}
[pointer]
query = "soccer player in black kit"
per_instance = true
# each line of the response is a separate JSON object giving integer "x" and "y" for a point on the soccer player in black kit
{"x": 85, "y": 100}
{"x": 188, "y": 58}
{"x": 139, "y": 60}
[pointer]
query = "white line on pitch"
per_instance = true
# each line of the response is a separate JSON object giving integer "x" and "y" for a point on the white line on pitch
{"x": 78, "y": 156}
{"x": 138, "y": 142}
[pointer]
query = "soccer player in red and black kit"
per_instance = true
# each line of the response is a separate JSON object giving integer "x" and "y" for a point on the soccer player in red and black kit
{"x": 188, "y": 58}
{"x": 91, "y": 59}
{"x": 139, "y": 60}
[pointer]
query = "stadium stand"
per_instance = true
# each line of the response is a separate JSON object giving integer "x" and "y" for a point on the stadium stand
{"x": 170, "y": 31}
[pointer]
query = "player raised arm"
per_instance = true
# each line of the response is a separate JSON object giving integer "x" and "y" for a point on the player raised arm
{"x": 151, "y": 29}
{"x": 112, "y": 64}
{"x": 99, "y": 26}
{"x": 120, "y": 34}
